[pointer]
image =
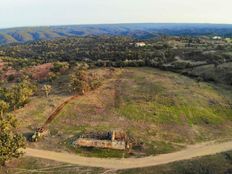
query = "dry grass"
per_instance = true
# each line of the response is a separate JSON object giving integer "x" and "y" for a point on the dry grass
{"x": 161, "y": 109}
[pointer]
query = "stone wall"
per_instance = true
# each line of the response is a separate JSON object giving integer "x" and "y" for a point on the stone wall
{"x": 117, "y": 145}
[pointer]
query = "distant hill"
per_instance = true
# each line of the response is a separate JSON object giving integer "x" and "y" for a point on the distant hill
{"x": 139, "y": 31}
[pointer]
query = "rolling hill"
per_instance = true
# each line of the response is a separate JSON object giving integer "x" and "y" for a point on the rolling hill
{"x": 139, "y": 31}
{"x": 155, "y": 107}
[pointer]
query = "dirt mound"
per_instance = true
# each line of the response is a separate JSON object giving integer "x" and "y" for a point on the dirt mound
{"x": 40, "y": 72}
{"x": 7, "y": 71}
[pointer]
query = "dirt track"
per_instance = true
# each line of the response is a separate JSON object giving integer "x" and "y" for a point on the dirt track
{"x": 57, "y": 110}
{"x": 188, "y": 153}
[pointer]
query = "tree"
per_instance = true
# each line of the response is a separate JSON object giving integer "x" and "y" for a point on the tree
{"x": 94, "y": 81}
{"x": 19, "y": 94}
{"x": 215, "y": 59}
{"x": 10, "y": 78}
{"x": 3, "y": 107}
{"x": 51, "y": 76}
{"x": 60, "y": 67}
{"x": 47, "y": 89}
{"x": 79, "y": 80}
{"x": 10, "y": 141}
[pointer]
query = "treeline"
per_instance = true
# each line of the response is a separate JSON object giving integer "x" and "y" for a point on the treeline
{"x": 19, "y": 63}
{"x": 169, "y": 53}
{"x": 120, "y": 50}
{"x": 87, "y": 49}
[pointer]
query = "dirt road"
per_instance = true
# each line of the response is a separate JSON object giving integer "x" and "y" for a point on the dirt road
{"x": 188, "y": 153}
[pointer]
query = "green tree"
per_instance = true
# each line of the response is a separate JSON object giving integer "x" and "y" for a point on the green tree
{"x": 60, "y": 67}
{"x": 19, "y": 94}
{"x": 10, "y": 141}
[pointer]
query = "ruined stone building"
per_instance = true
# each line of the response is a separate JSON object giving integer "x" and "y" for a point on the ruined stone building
{"x": 110, "y": 140}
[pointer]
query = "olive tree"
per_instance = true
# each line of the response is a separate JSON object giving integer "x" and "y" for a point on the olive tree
{"x": 11, "y": 141}
{"x": 19, "y": 94}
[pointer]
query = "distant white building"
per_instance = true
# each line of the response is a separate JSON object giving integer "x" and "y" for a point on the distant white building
{"x": 140, "y": 44}
{"x": 217, "y": 38}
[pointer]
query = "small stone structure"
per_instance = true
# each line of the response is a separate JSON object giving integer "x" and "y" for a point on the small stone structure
{"x": 110, "y": 140}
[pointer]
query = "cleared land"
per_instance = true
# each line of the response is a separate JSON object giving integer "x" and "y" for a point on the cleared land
{"x": 162, "y": 111}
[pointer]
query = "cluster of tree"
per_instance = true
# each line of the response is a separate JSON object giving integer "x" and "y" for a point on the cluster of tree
{"x": 119, "y": 50}
{"x": 81, "y": 81}
{"x": 18, "y": 95}
{"x": 88, "y": 49}
{"x": 19, "y": 63}
{"x": 58, "y": 69}
{"x": 170, "y": 53}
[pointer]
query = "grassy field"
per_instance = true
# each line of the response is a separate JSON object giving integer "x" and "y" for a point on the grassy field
{"x": 162, "y": 111}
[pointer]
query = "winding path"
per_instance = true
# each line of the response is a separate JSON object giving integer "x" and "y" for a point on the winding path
{"x": 190, "y": 152}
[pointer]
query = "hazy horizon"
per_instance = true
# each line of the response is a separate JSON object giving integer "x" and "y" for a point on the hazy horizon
{"x": 57, "y": 25}
{"x": 24, "y": 13}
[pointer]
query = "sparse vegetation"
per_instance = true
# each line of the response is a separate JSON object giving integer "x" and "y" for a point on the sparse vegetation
{"x": 119, "y": 86}
{"x": 153, "y": 106}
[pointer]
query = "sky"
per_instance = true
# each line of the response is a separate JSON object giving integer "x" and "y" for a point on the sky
{"x": 14, "y": 13}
